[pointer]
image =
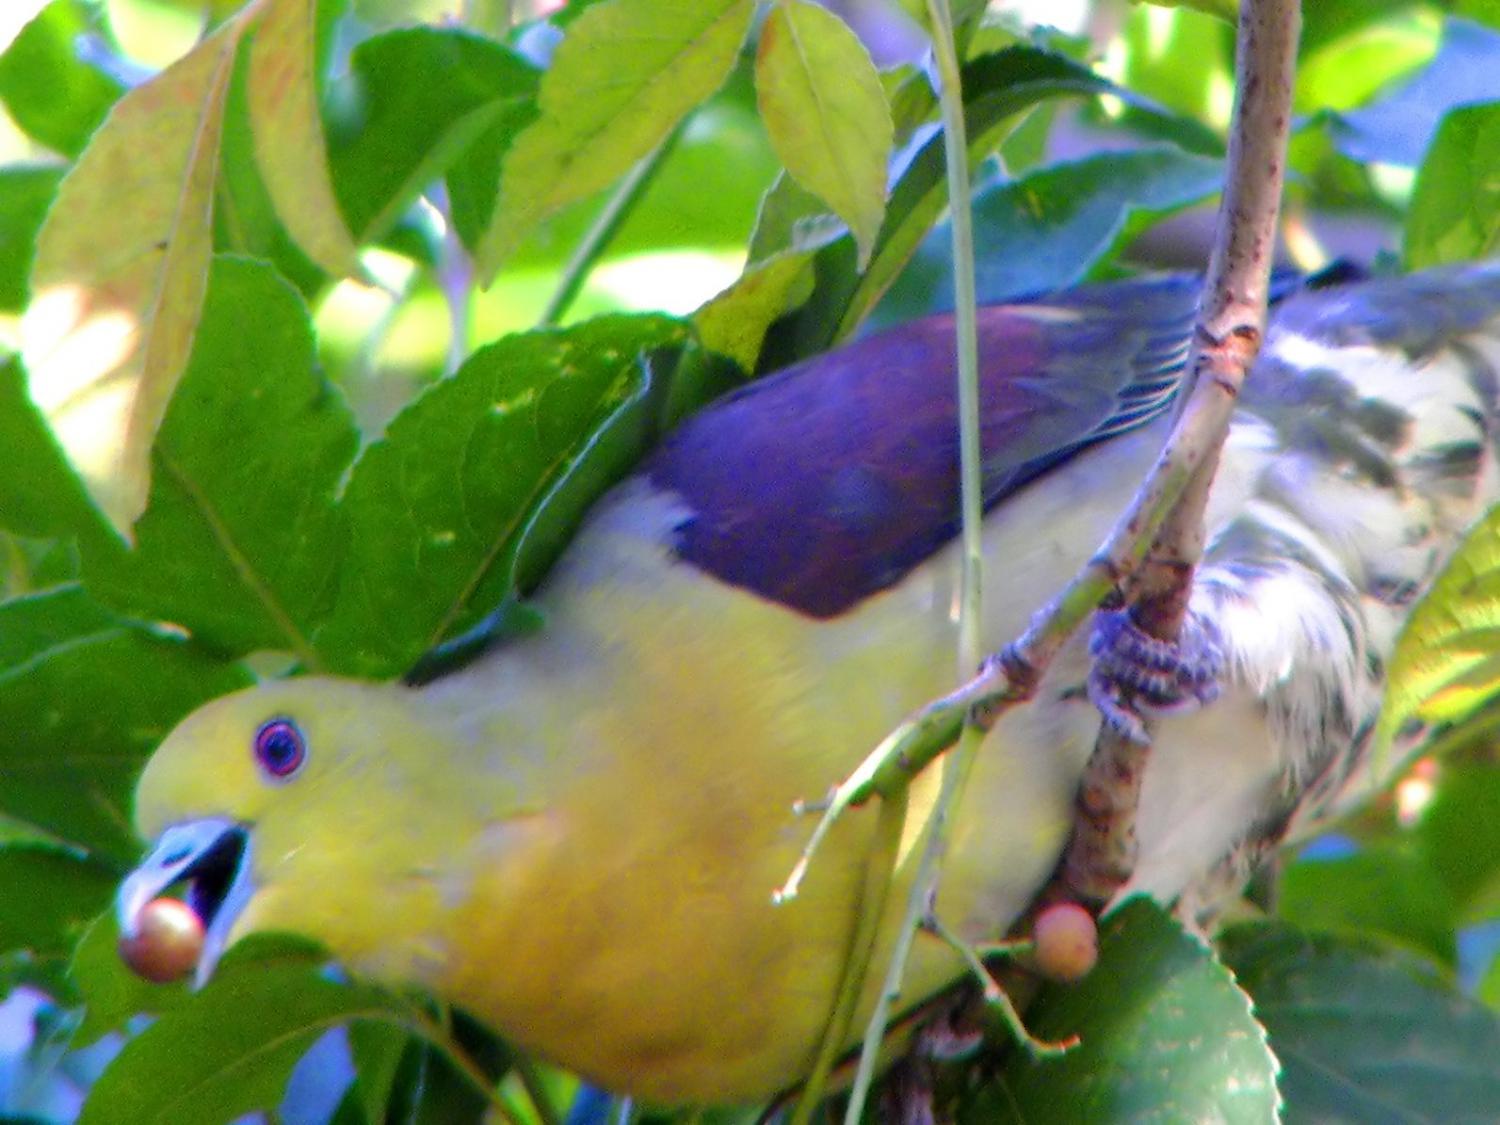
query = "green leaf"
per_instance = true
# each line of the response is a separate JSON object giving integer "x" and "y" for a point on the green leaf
{"x": 1481, "y": 11}
{"x": 240, "y": 544}
{"x": 25, "y": 195}
{"x": 378, "y": 1050}
{"x": 1349, "y": 71}
{"x": 110, "y": 993}
{"x": 229, "y": 1050}
{"x": 1447, "y": 662}
{"x": 416, "y": 99}
{"x": 427, "y": 1090}
{"x": 825, "y": 110}
{"x": 625, "y": 74}
{"x": 50, "y": 895}
{"x": 1379, "y": 890}
{"x": 998, "y": 90}
{"x": 1366, "y": 1035}
{"x": 1489, "y": 987}
{"x": 1455, "y": 206}
{"x": 1459, "y": 834}
{"x": 1225, "y": 10}
{"x": 734, "y": 323}
{"x": 56, "y": 97}
{"x": 40, "y": 495}
{"x": 1167, "y": 1035}
{"x": 477, "y": 484}
{"x": 1046, "y": 230}
{"x": 83, "y": 702}
{"x": 1181, "y": 60}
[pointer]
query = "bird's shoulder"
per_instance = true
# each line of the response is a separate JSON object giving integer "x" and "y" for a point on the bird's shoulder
{"x": 827, "y": 482}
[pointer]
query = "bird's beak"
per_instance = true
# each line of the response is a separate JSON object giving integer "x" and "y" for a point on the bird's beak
{"x": 213, "y": 855}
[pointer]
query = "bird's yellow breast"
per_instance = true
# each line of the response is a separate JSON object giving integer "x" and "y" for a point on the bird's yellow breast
{"x": 648, "y": 954}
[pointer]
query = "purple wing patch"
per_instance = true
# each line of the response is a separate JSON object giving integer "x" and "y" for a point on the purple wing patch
{"x": 829, "y": 481}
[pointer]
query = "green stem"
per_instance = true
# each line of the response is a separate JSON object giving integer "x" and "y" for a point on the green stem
{"x": 536, "y": 1089}
{"x": 960, "y": 764}
{"x": 918, "y": 904}
{"x": 880, "y": 868}
{"x": 603, "y": 230}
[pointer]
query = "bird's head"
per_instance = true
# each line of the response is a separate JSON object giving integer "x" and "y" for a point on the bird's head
{"x": 304, "y": 805}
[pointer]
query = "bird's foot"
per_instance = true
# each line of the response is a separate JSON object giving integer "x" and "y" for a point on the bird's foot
{"x": 1136, "y": 676}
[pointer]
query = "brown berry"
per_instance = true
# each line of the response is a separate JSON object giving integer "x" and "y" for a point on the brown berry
{"x": 167, "y": 944}
{"x": 1066, "y": 942}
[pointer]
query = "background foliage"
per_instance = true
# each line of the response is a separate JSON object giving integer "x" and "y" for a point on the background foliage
{"x": 241, "y": 256}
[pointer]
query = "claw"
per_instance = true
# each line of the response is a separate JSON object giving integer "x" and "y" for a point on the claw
{"x": 1136, "y": 676}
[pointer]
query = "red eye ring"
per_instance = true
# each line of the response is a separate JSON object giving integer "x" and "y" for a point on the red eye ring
{"x": 280, "y": 748}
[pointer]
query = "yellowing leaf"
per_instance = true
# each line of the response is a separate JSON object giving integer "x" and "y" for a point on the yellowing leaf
{"x": 289, "y": 147}
{"x": 121, "y": 267}
{"x": 1447, "y": 659}
{"x": 826, "y": 113}
{"x": 625, "y": 75}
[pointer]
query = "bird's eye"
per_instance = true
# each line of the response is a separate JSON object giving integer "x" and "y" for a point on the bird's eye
{"x": 280, "y": 748}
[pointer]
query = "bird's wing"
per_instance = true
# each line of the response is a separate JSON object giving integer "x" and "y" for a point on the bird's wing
{"x": 829, "y": 481}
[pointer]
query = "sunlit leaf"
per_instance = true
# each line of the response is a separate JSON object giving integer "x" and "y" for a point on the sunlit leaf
{"x": 1348, "y": 71}
{"x": 1180, "y": 59}
{"x": 1455, "y": 207}
{"x": 121, "y": 266}
{"x": 625, "y": 75}
{"x": 826, "y": 113}
{"x": 1447, "y": 658}
{"x": 998, "y": 90}
{"x": 245, "y": 218}
{"x": 288, "y": 133}
{"x": 40, "y": 496}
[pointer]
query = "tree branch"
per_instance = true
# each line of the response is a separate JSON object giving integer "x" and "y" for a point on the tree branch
{"x": 1231, "y": 322}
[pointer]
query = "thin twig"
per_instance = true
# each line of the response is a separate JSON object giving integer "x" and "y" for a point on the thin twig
{"x": 603, "y": 230}
{"x": 955, "y": 776}
{"x": 880, "y": 867}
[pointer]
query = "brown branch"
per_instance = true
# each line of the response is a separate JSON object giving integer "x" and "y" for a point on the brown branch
{"x": 1231, "y": 321}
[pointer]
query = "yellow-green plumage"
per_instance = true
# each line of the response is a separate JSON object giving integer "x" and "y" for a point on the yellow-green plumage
{"x": 577, "y": 839}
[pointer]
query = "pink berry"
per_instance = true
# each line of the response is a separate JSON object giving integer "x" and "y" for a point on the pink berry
{"x": 1066, "y": 942}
